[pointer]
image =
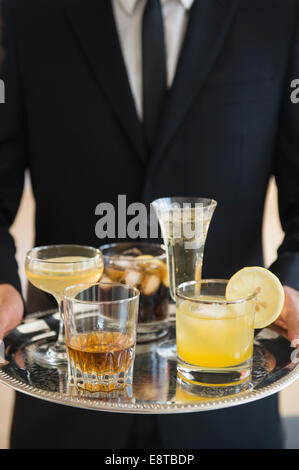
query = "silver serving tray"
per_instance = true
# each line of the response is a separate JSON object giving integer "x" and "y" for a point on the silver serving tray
{"x": 155, "y": 389}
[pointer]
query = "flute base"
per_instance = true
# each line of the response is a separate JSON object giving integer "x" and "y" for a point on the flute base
{"x": 51, "y": 356}
{"x": 154, "y": 331}
{"x": 168, "y": 350}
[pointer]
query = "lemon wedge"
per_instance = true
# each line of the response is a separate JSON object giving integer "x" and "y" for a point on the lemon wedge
{"x": 270, "y": 293}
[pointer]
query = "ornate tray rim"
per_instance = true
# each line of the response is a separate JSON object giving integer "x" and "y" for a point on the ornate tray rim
{"x": 154, "y": 408}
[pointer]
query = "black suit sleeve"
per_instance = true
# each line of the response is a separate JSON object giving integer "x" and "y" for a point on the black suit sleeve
{"x": 287, "y": 177}
{"x": 12, "y": 147}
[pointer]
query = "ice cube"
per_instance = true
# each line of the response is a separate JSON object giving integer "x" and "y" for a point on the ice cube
{"x": 115, "y": 273}
{"x": 132, "y": 252}
{"x": 209, "y": 311}
{"x": 133, "y": 277}
{"x": 106, "y": 280}
{"x": 150, "y": 284}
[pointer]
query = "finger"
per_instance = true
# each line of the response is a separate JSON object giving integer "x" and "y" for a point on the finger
{"x": 9, "y": 319}
{"x": 281, "y": 323}
{"x": 292, "y": 322}
{"x": 290, "y": 313}
{"x": 11, "y": 310}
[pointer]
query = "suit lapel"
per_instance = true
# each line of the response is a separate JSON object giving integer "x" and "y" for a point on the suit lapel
{"x": 93, "y": 24}
{"x": 209, "y": 23}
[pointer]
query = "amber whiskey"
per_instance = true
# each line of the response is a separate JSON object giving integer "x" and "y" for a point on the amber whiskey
{"x": 99, "y": 361}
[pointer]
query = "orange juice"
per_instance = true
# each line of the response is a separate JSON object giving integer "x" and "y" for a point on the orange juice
{"x": 214, "y": 335}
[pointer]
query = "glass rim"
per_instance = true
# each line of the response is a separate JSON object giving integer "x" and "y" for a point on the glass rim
{"x": 209, "y": 302}
{"x": 203, "y": 200}
{"x": 37, "y": 249}
{"x": 100, "y": 302}
{"x": 132, "y": 258}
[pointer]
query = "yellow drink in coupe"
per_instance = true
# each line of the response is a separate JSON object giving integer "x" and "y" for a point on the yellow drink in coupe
{"x": 214, "y": 335}
{"x": 57, "y": 274}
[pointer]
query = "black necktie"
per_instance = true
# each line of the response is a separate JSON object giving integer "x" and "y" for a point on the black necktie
{"x": 154, "y": 68}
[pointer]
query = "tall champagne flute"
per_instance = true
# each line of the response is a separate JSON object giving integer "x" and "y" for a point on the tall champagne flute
{"x": 52, "y": 269}
{"x": 184, "y": 225}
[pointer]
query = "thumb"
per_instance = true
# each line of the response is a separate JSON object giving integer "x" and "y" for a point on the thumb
{"x": 11, "y": 309}
{"x": 291, "y": 314}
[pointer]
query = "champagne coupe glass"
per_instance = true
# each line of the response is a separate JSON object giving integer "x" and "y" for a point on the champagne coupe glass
{"x": 52, "y": 269}
{"x": 184, "y": 225}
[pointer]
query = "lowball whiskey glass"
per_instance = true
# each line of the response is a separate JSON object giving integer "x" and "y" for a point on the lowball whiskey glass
{"x": 100, "y": 326}
{"x": 142, "y": 265}
{"x": 214, "y": 338}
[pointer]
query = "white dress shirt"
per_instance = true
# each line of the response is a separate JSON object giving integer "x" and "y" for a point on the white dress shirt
{"x": 128, "y": 17}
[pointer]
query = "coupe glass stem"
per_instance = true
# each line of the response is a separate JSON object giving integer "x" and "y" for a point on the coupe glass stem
{"x": 60, "y": 344}
{"x": 58, "y": 351}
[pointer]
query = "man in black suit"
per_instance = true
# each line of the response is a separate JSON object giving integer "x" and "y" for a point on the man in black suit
{"x": 208, "y": 113}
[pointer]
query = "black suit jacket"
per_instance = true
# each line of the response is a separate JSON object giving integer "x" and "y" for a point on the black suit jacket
{"x": 229, "y": 124}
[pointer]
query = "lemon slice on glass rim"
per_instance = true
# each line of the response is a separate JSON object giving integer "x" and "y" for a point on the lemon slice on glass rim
{"x": 270, "y": 293}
